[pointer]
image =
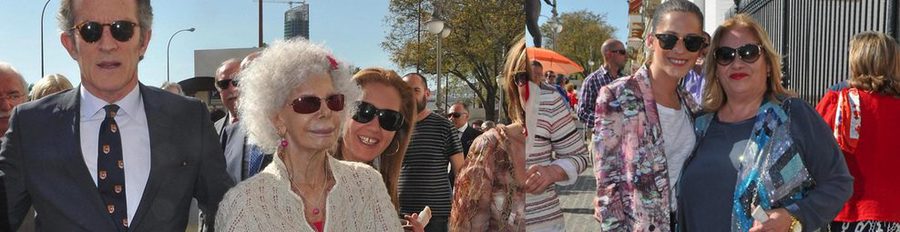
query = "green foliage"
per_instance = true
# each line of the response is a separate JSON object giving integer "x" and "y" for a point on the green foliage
{"x": 583, "y": 33}
{"x": 474, "y": 52}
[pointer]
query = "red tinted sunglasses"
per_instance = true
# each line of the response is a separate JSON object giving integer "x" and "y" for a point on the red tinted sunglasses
{"x": 312, "y": 104}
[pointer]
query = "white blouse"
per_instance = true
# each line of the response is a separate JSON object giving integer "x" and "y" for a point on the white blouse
{"x": 358, "y": 202}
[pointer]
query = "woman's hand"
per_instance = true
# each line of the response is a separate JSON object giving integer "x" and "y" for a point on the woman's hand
{"x": 412, "y": 223}
{"x": 779, "y": 221}
{"x": 540, "y": 176}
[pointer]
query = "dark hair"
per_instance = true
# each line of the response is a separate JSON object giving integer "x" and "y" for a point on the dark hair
{"x": 536, "y": 63}
{"x": 424, "y": 81}
{"x": 478, "y": 122}
{"x": 675, "y": 6}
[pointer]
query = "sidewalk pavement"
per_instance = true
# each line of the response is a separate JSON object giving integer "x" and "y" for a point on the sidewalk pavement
{"x": 576, "y": 201}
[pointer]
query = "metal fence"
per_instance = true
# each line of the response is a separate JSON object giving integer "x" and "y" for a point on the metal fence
{"x": 813, "y": 36}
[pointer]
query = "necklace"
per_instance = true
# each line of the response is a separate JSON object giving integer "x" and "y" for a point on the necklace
{"x": 320, "y": 195}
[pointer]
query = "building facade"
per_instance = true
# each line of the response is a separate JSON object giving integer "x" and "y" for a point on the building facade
{"x": 296, "y": 21}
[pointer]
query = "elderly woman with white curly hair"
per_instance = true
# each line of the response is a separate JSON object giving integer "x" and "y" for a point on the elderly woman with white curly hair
{"x": 292, "y": 104}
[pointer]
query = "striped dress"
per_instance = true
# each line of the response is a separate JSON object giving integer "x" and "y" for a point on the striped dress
{"x": 552, "y": 139}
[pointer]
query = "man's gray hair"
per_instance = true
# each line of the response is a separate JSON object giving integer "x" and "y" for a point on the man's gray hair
{"x": 221, "y": 70}
{"x": 8, "y": 69}
{"x": 66, "y": 16}
{"x": 166, "y": 85}
{"x": 269, "y": 82}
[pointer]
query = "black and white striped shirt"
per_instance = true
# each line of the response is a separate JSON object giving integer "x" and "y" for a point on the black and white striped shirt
{"x": 423, "y": 177}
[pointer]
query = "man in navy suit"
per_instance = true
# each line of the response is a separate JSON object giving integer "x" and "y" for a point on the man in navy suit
{"x": 112, "y": 154}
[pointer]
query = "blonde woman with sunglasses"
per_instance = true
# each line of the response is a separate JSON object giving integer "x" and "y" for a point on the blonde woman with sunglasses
{"x": 765, "y": 160}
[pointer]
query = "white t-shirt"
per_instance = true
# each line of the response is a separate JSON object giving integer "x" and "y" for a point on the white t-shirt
{"x": 679, "y": 141}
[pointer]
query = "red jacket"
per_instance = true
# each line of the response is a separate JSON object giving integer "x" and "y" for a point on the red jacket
{"x": 868, "y": 125}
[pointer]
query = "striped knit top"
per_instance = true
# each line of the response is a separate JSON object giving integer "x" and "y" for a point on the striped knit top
{"x": 552, "y": 139}
{"x": 424, "y": 180}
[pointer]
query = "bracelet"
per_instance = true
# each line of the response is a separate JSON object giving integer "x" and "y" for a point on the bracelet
{"x": 795, "y": 225}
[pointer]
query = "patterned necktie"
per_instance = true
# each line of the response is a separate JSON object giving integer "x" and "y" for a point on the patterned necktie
{"x": 255, "y": 162}
{"x": 111, "y": 168}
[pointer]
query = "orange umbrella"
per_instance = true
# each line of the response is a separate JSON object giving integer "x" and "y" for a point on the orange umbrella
{"x": 553, "y": 61}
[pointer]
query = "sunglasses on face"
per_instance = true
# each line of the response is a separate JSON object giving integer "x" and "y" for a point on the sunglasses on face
{"x": 749, "y": 53}
{"x": 620, "y": 52}
{"x": 224, "y": 84}
{"x": 312, "y": 104}
{"x": 91, "y": 31}
{"x": 389, "y": 120}
{"x": 522, "y": 78}
{"x": 692, "y": 43}
{"x": 455, "y": 115}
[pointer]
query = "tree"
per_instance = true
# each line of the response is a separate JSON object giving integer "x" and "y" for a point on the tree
{"x": 582, "y": 35}
{"x": 474, "y": 52}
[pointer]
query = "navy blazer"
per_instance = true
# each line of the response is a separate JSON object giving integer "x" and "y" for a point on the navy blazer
{"x": 44, "y": 167}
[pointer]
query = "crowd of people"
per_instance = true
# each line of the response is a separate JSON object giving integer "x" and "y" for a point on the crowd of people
{"x": 702, "y": 137}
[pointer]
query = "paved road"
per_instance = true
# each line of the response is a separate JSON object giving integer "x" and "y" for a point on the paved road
{"x": 576, "y": 203}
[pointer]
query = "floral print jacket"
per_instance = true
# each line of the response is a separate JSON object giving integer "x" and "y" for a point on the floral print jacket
{"x": 629, "y": 160}
{"x": 488, "y": 194}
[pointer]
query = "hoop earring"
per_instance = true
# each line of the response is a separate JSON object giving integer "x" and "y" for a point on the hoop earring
{"x": 395, "y": 150}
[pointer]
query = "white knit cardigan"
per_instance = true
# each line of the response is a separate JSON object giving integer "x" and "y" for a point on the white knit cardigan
{"x": 358, "y": 202}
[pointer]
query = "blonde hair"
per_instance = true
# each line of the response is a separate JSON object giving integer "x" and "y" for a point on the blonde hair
{"x": 714, "y": 96}
{"x": 50, "y": 84}
{"x": 873, "y": 63}
{"x": 516, "y": 63}
{"x": 391, "y": 158}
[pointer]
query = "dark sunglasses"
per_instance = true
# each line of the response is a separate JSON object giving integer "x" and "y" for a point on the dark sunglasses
{"x": 692, "y": 43}
{"x": 454, "y": 115}
{"x": 749, "y": 53}
{"x": 522, "y": 78}
{"x": 389, "y": 120}
{"x": 311, "y": 104}
{"x": 621, "y": 52}
{"x": 91, "y": 31}
{"x": 224, "y": 84}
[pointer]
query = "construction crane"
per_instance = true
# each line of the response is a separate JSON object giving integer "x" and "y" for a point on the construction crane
{"x": 290, "y": 4}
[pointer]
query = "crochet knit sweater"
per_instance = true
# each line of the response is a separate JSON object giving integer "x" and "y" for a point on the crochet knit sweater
{"x": 358, "y": 202}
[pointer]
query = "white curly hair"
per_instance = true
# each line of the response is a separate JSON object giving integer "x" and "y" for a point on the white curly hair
{"x": 269, "y": 81}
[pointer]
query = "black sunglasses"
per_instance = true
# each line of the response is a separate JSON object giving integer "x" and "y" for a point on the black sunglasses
{"x": 389, "y": 120}
{"x": 692, "y": 43}
{"x": 749, "y": 53}
{"x": 522, "y": 78}
{"x": 91, "y": 31}
{"x": 311, "y": 104}
{"x": 621, "y": 52}
{"x": 224, "y": 84}
{"x": 455, "y": 115}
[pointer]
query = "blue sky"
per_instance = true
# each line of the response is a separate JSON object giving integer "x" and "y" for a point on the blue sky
{"x": 352, "y": 29}
{"x": 616, "y": 13}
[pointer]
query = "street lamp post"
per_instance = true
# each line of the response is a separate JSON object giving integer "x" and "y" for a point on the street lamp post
{"x": 436, "y": 26}
{"x": 556, "y": 25}
{"x": 169, "y": 45}
{"x": 444, "y": 33}
{"x": 42, "y": 36}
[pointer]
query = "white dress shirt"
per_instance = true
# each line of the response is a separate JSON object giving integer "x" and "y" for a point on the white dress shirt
{"x": 462, "y": 130}
{"x": 132, "y": 122}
